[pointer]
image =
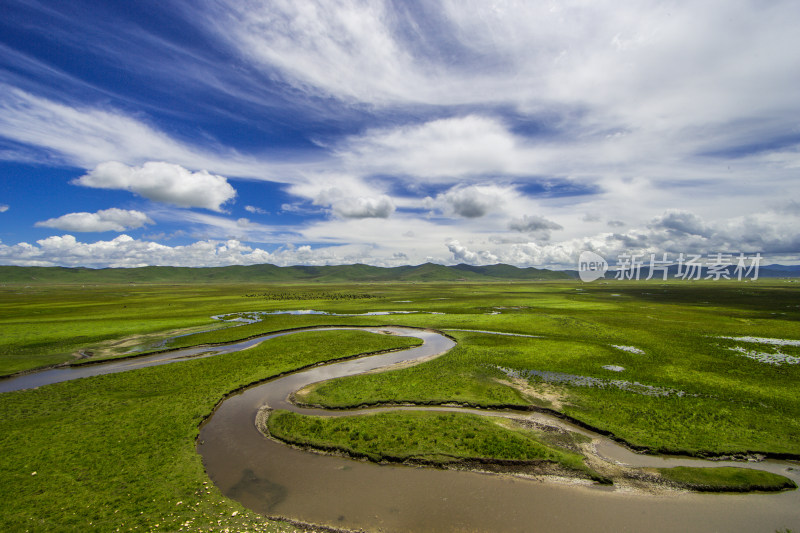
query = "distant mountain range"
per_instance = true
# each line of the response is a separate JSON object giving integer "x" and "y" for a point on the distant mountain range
{"x": 322, "y": 274}
{"x": 271, "y": 273}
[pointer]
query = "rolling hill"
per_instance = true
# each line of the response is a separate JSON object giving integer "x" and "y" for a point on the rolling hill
{"x": 270, "y": 273}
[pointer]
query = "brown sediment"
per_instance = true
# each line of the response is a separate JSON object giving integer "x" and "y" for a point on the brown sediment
{"x": 542, "y": 393}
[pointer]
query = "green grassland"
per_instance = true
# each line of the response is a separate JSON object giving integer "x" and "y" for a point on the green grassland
{"x": 729, "y": 403}
{"x": 46, "y": 324}
{"x": 729, "y": 479}
{"x": 118, "y": 451}
{"x": 125, "y": 442}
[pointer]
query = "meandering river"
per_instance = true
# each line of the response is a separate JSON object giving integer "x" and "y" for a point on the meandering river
{"x": 277, "y": 480}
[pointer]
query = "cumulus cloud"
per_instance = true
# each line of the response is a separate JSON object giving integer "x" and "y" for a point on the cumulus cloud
{"x": 125, "y": 251}
{"x": 162, "y": 182}
{"x": 346, "y": 196}
{"x": 672, "y": 233}
{"x": 461, "y": 254}
{"x": 254, "y": 210}
{"x": 682, "y": 222}
{"x": 361, "y": 207}
{"x": 383, "y": 243}
{"x": 438, "y": 149}
{"x": 3, "y": 208}
{"x": 533, "y": 223}
{"x": 105, "y": 220}
{"x": 472, "y": 201}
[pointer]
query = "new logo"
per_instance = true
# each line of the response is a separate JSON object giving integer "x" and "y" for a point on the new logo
{"x": 591, "y": 266}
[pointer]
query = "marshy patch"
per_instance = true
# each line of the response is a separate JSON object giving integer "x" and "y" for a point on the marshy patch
{"x": 765, "y": 350}
{"x": 253, "y": 317}
{"x": 563, "y": 378}
{"x": 629, "y": 349}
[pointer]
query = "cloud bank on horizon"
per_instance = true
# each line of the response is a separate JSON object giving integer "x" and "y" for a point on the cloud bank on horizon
{"x": 394, "y": 133}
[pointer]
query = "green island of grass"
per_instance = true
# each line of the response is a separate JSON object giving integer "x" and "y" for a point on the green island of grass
{"x": 424, "y": 438}
{"x": 726, "y": 479}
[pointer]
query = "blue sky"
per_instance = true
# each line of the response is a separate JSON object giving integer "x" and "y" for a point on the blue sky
{"x": 391, "y": 133}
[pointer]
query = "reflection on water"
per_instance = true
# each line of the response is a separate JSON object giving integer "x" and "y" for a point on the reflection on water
{"x": 257, "y": 491}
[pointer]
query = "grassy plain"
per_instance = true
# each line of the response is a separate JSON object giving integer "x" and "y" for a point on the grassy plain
{"x": 708, "y": 398}
{"x": 122, "y": 446}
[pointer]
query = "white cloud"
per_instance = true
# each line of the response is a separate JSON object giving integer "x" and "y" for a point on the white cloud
{"x": 346, "y": 195}
{"x": 649, "y": 107}
{"x": 254, "y": 210}
{"x": 473, "y": 201}
{"x": 125, "y": 251}
{"x": 791, "y": 207}
{"x": 463, "y": 255}
{"x": 86, "y": 136}
{"x": 439, "y": 149}
{"x": 105, "y": 220}
{"x": 673, "y": 233}
{"x": 535, "y": 226}
{"x": 380, "y": 243}
{"x": 215, "y": 227}
{"x": 649, "y": 61}
{"x": 682, "y": 222}
{"x": 322, "y": 48}
{"x": 162, "y": 182}
{"x": 3, "y": 208}
{"x": 361, "y": 207}
{"x": 529, "y": 223}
